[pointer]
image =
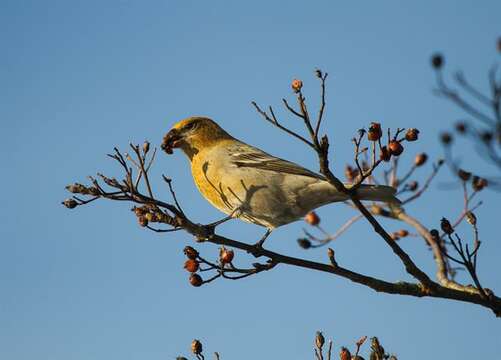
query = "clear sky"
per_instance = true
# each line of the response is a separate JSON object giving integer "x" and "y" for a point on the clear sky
{"x": 79, "y": 77}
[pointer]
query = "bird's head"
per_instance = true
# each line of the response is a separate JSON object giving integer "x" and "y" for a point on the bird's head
{"x": 193, "y": 134}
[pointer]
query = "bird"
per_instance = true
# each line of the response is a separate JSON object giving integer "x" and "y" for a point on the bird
{"x": 247, "y": 183}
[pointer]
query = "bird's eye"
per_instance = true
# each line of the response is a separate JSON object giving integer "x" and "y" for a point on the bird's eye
{"x": 190, "y": 126}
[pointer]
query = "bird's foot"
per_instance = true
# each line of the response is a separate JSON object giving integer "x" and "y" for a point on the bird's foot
{"x": 257, "y": 248}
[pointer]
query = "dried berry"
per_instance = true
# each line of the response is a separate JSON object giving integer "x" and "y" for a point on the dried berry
{"x": 420, "y": 159}
{"x": 402, "y": 233}
{"x": 460, "y": 127}
{"x": 191, "y": 265}
{"x": 70, "y": 203}
{"x": 471, "y": 218}
{"x": 446, "y": 226}
{"x": 464, "y": 175}
{"x": 437, "y": 61}
{"x": 413, "y": 185}
{"x": 226, "y": 255}
{"x": 487, "y": 136}
{"x": 375, "y": 132}
{"x": 146, "y": 147}
{"x": 350, "y": 173}
{"x": 297, "y": 85}
{"x": 412, "y": 134}
{"x": 478, "y": 183}
{"x": 446, "y": 138}
{"x": 304, "y": 243}
{"x": 196, "y": 347}
{"x": 344, "y": 354}
{"x": 142, "y": 221}
{"x": 77, "y": 189}
{"x": 196, "y": 280}
{"x": 395, "y": 148}
{"x": 384, "y": 154}
{"x": 312, "y": 218}
{"x": 190, "y": 252}
{"x": 319, "y": 340}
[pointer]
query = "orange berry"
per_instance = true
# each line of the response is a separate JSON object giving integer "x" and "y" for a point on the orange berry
{"x": 420, "y": 159}
{"x": 345, "y": 354}
{"x": 226, "y": 255}
{"x": 312, "y": 218}
{"x": 412, "y": 134}
{"x": 384, "y": 154}
{"x": 297, "y": 85}
{"x": 191, "y": 265}
{"x": 402, "y": 233}
{"x": 374, "y": 133}
{"x": 196, "y": 280}
{"x": 395, "y": 148}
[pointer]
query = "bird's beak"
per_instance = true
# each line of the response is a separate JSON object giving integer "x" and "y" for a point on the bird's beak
{"x": 171, "y": 140}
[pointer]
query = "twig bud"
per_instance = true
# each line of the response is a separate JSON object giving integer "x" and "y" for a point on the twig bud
{"x": 77, "y": 189}
{"x": 446, "y": 226}
{"x": 70, "y": 203}
{"x": 146, "y": 147}
{"x": 332, "y": 257}
{"x": 437, "y": 61}
{"x": 318, "y": 73}
{"x": 464, "y": 175}
{"x": 361, "y": 341}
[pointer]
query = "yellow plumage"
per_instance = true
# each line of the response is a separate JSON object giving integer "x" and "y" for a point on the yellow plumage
{"x": 246, "y": 182}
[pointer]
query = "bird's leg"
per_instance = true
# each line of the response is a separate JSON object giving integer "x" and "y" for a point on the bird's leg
{"x": 257, "y": 247}
{"x": 234, "y": 214}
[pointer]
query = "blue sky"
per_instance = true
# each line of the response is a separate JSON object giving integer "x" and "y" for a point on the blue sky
{"x": 81, "y": 77}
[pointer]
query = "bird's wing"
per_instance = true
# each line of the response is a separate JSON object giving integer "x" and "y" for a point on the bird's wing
{"x": 249, "y": 156}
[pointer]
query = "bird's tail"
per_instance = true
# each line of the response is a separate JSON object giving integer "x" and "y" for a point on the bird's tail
{"x": 378, "y": 193}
